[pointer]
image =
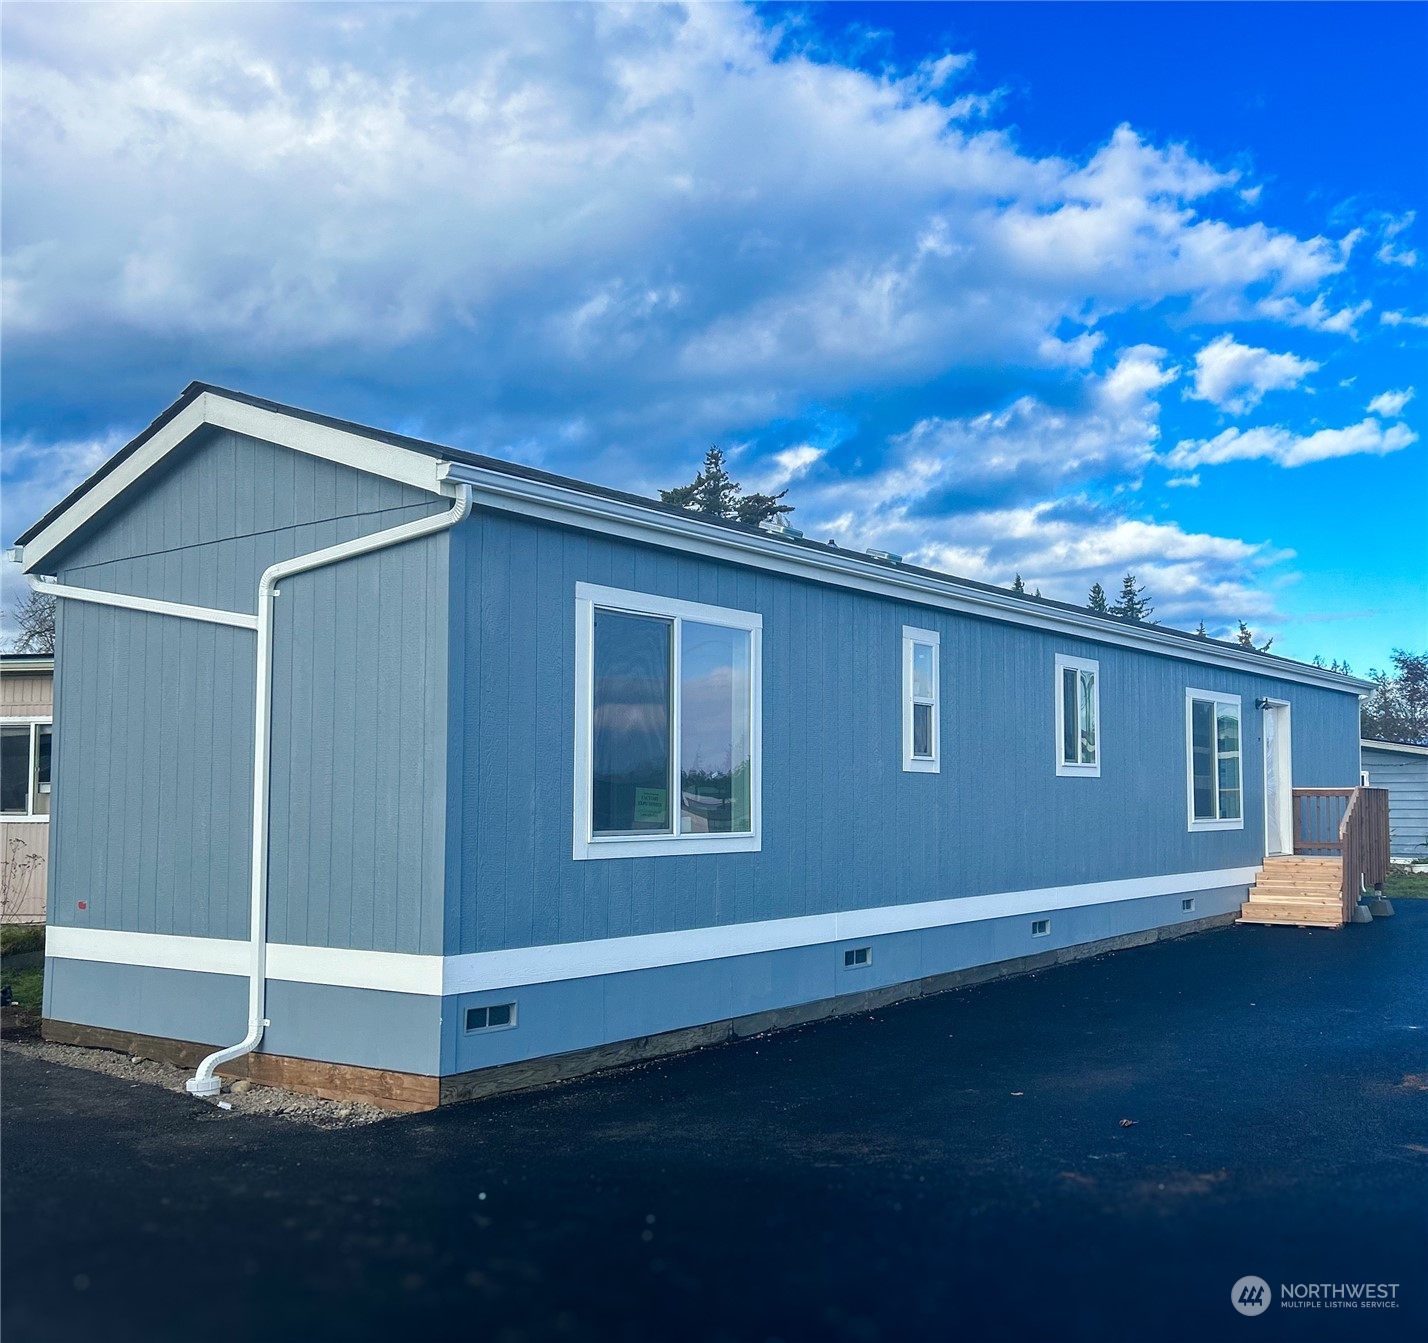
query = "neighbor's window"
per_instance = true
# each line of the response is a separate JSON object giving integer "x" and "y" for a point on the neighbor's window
{"x": 1212, "y": 733}
{"x": 667, "y": 713}
{"x": 25, "y": 770}
{"x": 1078, "y": 716}
{"x": 920, "y": 679}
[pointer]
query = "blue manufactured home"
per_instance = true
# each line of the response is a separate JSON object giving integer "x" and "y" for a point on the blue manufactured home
{"x": 547, "y": 777}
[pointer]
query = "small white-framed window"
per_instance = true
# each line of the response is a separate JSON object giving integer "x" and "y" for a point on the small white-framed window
{"x": 492, "y": 1017}
{"x": 1078, "y": 716}
{"x": 25, "y": 769}
{"x": 1213, "y": 752}
{"x": 921, "y": 679}
{"x": 668, "y": 726}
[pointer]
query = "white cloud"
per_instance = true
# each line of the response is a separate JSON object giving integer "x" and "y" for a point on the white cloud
{"x": 1402, "y": 319}
{"x": 1189, "y": 575}
{"x": 640, "y": 203}
{"x": 1393, "y": 256}
{"x": 1186, "y": 482}
{"x": 593, "y": 236}
{"x": 788, "y": 465}
{"x": 1286, "y": 448}
{"x": 1390, "y": 254}
{"x": 1390, "y": 404}
{"x": 1108, "y": 429}
{"x": 1317, "y": 316}
{"x": 1235, "y": 377}
{"x": 37, "y": 476}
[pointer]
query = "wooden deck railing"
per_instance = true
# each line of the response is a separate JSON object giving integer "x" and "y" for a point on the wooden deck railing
{"x": 1350, "y": 824}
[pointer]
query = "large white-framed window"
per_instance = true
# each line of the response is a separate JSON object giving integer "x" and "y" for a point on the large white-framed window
{"x": 26, "y": 752}
{"x": 1213, "y": 760}
{"x": 668, "y": 726}
{"x": 921, "y": 680}
{"x": 1078, "y": 717}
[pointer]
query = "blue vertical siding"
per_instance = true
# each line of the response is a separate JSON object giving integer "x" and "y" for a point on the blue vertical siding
{"x": 843, "y": 826}
{"x": 154, "y": 737}
{"x": 153, "y": 767}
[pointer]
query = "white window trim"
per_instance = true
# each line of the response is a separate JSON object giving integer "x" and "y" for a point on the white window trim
{"x": 912, "y": 764}
{"x": 1063, "y": 768}
{"x": 1218, "y": 698}
{"x": 589, "y": 596}
{"x": 29, "y": 816}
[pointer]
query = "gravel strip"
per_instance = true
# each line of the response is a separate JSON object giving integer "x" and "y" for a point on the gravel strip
{"x": 241, "y": 1096}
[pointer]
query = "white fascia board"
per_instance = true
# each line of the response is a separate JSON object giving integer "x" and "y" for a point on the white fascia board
{"x": 437, "y": 976}
{"x": 568, "y": 507}
{"x": 289, "y": 431}
{"x": 1396, "y": 747}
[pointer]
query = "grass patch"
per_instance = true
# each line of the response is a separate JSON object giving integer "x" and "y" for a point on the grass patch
{"x": 1403, "y": 883}
{"x": 28, "y": 986}
{"x": 18, "y": 937}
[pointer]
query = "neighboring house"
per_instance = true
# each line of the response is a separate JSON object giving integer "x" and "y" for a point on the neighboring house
{"x": 554, "y": 776}
{"x": 1402, "y": 769}
{"x": 26, "y": 731}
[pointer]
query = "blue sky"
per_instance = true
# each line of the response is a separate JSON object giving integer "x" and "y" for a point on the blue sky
{"x": 1052, "y": 289}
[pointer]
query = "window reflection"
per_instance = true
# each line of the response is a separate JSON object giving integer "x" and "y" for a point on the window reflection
{"x": 715, "y": 730}
{"x": 631, "y": 764}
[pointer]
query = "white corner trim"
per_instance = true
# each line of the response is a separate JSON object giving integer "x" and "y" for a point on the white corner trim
{"x": 1065, "y": 769}
{"x": 359, "y": 451}
{"x": 436, "y": 976}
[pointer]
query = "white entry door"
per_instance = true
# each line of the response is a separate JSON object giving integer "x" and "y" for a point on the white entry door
{"x": 1278, "y": 787}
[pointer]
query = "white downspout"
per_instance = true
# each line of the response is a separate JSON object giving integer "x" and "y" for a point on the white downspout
{"x": 204, "y": 1082}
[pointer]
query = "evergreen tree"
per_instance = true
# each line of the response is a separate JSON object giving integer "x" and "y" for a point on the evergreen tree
{"x": 1097, "y": 600}
{"x": 1245, "y": 639}
{"x": 1018, "y": 585}
{"x": 715, "y": 493}
{"x": 1202, "y": 631}
{"x": 1396, "y": 709}
{"x": 1132, "y": 604}
{"x": 1037, "y": 593}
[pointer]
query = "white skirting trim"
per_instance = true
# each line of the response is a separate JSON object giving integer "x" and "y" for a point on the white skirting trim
{"x": 436, "y": 976}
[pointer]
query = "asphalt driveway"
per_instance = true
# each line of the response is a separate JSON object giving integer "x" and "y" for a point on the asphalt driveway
{"x": 952, "y": 1168}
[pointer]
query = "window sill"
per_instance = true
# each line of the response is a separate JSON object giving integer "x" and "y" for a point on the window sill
{"x": 1217, "y": 825}
{"x": 915, "y": 766}
{"x": 1065, "y": 771}
{"x": 14, "y": 818}
{"x": 665, "y": 846}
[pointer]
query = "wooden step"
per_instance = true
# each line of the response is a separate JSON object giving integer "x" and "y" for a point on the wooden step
{"x": 1302, "y": 871}
{"x": 1334, "y": 907}
{"x": 1311, "y": 916}
{"x": 1282, "y": 888}
{"x": 1303, "y": 867}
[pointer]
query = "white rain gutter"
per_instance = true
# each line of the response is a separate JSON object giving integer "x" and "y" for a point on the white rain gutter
{"x": 204, "y": 1082}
